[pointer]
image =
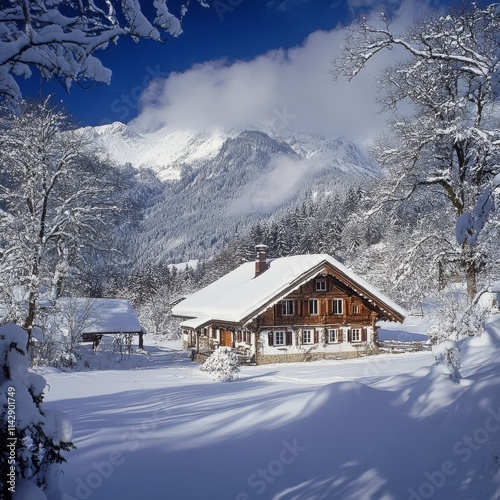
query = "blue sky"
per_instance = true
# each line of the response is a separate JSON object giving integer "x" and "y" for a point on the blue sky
{"x": 264, "y": 60}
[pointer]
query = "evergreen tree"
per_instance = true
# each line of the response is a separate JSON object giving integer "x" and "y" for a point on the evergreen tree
{"x": 33, "y": 438}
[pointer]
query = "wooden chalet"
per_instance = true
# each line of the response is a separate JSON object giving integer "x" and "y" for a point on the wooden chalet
{"x": 287, "y": 309}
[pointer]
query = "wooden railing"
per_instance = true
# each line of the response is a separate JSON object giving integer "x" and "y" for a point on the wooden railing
{"x": 396, "y": 346}
{"x": 323, "y": 319}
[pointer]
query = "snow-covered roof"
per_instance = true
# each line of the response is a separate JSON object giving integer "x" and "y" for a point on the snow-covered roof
{"x": 100, "y": 315}
{"x": 240, "y": 295}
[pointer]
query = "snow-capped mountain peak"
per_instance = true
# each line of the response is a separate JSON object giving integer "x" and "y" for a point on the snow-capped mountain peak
{"x": 161, "y": 151}
{"x": 166, "y": 151}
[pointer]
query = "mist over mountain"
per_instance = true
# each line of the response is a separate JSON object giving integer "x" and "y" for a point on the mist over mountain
{"x": 214, "y": 184}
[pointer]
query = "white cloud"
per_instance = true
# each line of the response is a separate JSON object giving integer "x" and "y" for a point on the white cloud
{"x": 274, "y": 188}
{"x": 295, "y": 83}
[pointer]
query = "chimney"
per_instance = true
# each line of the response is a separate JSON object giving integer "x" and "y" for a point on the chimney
{"x": 260, "y": 261}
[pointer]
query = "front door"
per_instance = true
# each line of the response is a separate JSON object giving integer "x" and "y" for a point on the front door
{"x": 225, "y": 339}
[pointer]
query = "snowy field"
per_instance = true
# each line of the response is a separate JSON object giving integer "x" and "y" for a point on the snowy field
{"x": 383, "y": 427}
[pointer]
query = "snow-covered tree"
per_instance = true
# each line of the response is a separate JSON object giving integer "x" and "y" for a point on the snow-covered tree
{"x": 61, "y": 327}
{"x": 222, "y": 365}
{"x": 445, "y": 143}
{"x": 447, "y": 355}
{"x": 33, "y": 438}
{"x": 55, "y": 199}
{"x": 457, "y": 318}
{"x": 60, "y": 37}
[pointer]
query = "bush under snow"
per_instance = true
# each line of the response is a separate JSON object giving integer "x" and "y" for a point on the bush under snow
{"x": 222, "y": 365}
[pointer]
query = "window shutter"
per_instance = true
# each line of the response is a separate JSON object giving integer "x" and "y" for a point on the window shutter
{"x": 315, "y": 336}
{"x": 270, "y": 338}
{"x": 288, "y": 336}
{"x": 349, "y": 335}
{"x": 279, "y": 309}
{"x": 340, "y": 336}
{"x": 363, "y": 335}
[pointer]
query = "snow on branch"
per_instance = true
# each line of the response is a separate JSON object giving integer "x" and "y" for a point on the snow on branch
{"x": 444, "y": 40}
{"x": 470, "y": 224}
{"x": 60, "y": 37}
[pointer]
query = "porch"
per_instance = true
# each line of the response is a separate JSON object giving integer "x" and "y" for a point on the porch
{"x": 206, "y": 340}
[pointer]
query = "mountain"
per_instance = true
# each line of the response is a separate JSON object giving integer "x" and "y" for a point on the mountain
{"x": 217, "y": 183}
{"x": 163, "y": 151}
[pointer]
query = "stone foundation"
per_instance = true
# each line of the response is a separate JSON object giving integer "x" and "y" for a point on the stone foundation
{"x": 269, "y": 359}
{"x": 298, "y": 358}
{"x": 200, "y": 357}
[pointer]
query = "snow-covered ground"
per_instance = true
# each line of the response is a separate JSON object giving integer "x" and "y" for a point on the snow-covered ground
{"x": 382, "y": 427}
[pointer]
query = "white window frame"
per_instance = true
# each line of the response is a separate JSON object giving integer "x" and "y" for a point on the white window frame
{"x": 279, "y": 337}
{"x": 285, "y": 310}
{"x": 314, "y": 301}
{"x": 358, "y": 335}
{"x": 321, "y": 285}
{"x": 310, "y": 335}
{"x": 355, "y": 309}
{"x": 333, "y": 333}
{"x": 338, "y": 301}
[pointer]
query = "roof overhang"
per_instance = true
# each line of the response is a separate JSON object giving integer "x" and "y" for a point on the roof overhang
{"x": 390, "y": 312}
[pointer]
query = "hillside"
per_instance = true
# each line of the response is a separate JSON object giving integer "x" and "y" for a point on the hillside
{"x": 218, "y": 182}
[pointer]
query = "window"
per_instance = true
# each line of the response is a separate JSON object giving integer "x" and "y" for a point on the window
{"x": 333, "y": 336}
{"x": 279, "y": 338}
{"x": 338, "y": 306}
{"x": 307, "y": 336}
{"x": 355, "y": 309}
{"x": 356, "y": 335}
{"x": 313, "y": 307}
{"x": 287, "y": 307}
{"x": 321, "y": 285}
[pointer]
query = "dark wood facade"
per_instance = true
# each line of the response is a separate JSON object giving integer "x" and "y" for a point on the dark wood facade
{"x": 321, "y": 301}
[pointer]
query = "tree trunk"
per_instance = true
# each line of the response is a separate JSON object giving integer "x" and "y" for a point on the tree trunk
{"x": 30, "y": 317}
{"x": 32, "y": 300}
{"x": 470, "y": 270}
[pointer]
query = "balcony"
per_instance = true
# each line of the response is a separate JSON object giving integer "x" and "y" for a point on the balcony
{"x": 322, "y": 319}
